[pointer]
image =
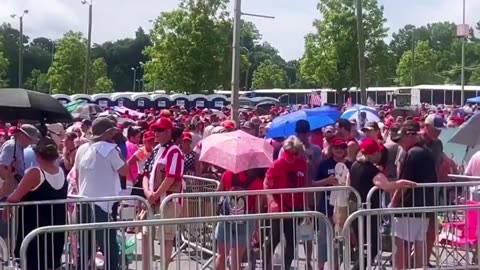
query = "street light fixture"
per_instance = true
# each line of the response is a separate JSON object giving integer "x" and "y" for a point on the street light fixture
{"x": 89, "y": 43}
{"x": 134, "y": 69}
{"x": 20, "y": 47}
{"x": 237, "y": 25}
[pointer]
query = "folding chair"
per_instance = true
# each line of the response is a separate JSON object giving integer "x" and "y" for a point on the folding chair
{"x": 461, "y": 235}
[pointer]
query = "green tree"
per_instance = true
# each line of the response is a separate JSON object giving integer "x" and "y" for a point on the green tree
{"x": 100, "y": 83}
{"x": 67, "y": 72}
{"x": 38, "y": 81}
{"x": 3, "y": 66}
{"x": 406, "y": 37}
{"x": 475, "y": 77}
{"x": 103, "y": 85}
{"x": 424, "y": 68}
{"x": 331, "y": 54}
{"x": 121, "y": 56}
{"x": 189, "y": 47}
{"x": 10, "y": 37}
{"x": 269, "y": 75}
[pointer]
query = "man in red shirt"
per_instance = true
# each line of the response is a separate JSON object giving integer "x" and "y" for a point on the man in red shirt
{"x": 287, "y": 172}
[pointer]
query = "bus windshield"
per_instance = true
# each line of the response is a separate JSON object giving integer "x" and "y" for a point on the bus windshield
{"x": 403, "y": 100}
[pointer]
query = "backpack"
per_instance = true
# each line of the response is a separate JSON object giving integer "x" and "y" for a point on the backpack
{"x": 235, "y": 205}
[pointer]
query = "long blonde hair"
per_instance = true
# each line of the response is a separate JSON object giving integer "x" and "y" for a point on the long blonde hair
{"x": 294, "y": 145}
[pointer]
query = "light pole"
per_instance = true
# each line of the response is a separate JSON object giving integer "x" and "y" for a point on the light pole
{"x": 89, "y": 44}
{"x": 140, "y": 82}
{"x": 134, "y": 77}
{"x": 412, "y": 71}
{"x": 361, "y": 53}
{"x": 237, "y": 27}
{"x": 20, "y": 47}
{"x": 142, "y": 70}
{"x": 51, "y": 64}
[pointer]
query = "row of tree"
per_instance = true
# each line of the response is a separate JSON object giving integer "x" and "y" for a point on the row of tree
{"x": 189, "y": 50}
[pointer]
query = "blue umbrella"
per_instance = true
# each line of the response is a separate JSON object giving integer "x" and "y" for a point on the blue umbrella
{"x": 354, "y": 113}
{"x": 474, "y": 100}
{"x": 284, "y": 126}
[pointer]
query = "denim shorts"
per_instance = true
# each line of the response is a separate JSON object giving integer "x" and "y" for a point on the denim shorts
{"x": 234, "y": 233}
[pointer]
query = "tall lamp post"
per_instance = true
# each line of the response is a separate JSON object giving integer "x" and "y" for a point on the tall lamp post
{"x": 89, "y": 44}
{"x": 20, "y": 48}
{"x": 142, "y": 70}
{"x": 140, "y": 84}
{"x": 463, "y": 32}
{"x": 412, "y": 71}
{"x": 51, "y": 64}
{"x": 361, "y": 53}
{"x": 237, "y": 28}
{"x": 134, "y": 77}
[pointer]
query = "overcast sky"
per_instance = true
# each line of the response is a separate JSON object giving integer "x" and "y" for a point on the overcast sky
{"x": 116, "y": 19}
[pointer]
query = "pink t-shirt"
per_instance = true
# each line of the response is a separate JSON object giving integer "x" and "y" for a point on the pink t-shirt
{"x": 131, "y": 149}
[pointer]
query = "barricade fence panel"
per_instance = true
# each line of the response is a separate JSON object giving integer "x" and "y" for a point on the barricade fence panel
{"x": 283, "y": 245}
{"x": 445, "y": 193}
{"x": 19, "y": 219}
{"x": 433, "y": 237}
{"x": 335, "y": 202}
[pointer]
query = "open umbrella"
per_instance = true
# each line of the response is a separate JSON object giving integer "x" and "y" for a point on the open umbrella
{"x": 467, "y": 134}
{"x": 87, "y": 111}
{"x": 354, "y": 113}
{"x": 284, "y": 126}
{"x": 73, "y": 105}
{"x": 236, "y": 151}
{"x": 22, "y": 104}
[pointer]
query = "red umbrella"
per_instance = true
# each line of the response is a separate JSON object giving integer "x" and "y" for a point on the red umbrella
{"x": 236, "y": 151}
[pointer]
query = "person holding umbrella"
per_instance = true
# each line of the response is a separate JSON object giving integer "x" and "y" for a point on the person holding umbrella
{"x": 12, "y": 158}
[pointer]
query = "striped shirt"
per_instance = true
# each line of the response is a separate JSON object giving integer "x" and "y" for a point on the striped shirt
{"x": 170, "y": 163}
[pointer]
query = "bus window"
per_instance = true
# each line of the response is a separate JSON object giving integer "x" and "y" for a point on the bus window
{"x": 426, "y": 96}
{"x": 438, "y": 97}
{"x": 448, "y": 97}
{"x": 403, "y": 100}
{"x": 381, "y": 97}
{"x": 469, "y": 94}
{"x": 331, "y": 97}
{"x": 457, "y": 97}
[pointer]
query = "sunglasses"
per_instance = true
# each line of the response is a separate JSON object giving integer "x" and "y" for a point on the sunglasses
{"x": 341, "y": 147}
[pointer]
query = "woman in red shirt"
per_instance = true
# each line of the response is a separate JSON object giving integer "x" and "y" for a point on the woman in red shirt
{"x": 289, "y": 171}
{"x": 233, "y": 237}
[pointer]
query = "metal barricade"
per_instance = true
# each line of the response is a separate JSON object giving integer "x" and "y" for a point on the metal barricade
{"x": 199, "y": 236}
{"x": 454, "y": 244}
{"x": 18, "y": 219}
{"x": 232, "y": 251}
{"x": 444, "y": 193}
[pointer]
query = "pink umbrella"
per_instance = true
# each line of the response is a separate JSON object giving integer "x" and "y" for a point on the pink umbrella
{"x": 236, "y": 151}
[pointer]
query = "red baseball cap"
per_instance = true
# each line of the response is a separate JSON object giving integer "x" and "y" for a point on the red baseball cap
{"x": 186, "y": 136}
{"x": 162, "y": 123}
{"x": 337, "y": 141}
{"x": 148, "y": 136}
{"x": 369, "y": 146}
{"x": 228, "y": 124}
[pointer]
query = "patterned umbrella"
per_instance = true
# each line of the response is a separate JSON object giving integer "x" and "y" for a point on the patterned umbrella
{"x": 87, "y": 111}
{"x": 236, "y": 151}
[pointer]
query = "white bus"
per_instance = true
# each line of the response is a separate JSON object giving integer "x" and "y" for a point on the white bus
{"x": 433, "y": 94}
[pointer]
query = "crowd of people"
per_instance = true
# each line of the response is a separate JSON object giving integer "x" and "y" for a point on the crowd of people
{"x": 149, "y": 155}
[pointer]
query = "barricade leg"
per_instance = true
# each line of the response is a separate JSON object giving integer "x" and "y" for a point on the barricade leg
{"x": 106, "y": 240}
